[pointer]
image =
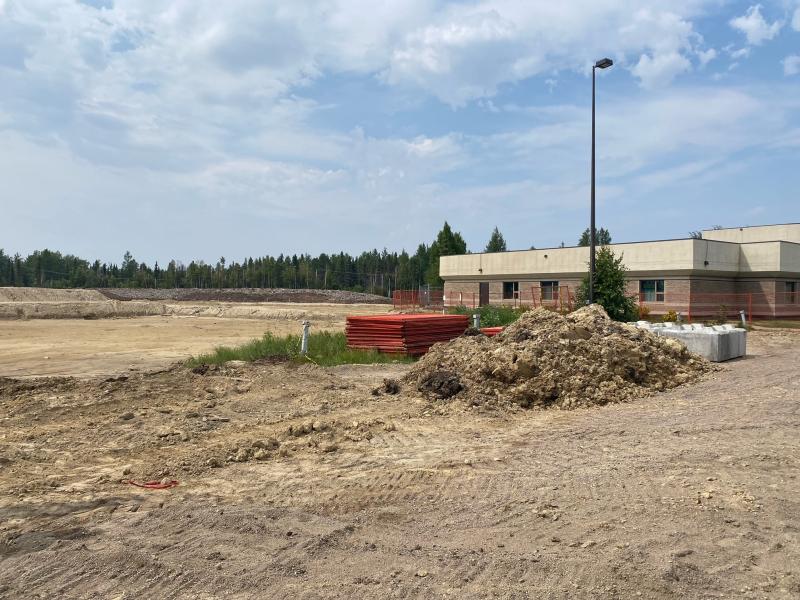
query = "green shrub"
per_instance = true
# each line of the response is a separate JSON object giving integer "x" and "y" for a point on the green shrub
{"x": 670, "y": 317}
{"x": 491, "y": 315}
{"x": 324, "y": 348}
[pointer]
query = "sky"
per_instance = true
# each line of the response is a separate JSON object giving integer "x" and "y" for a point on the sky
{"x": 195, "y": 129}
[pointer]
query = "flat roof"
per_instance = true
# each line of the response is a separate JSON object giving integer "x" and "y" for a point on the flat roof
{"x": 683, "y": 239}
{"x": 749, "y": 226}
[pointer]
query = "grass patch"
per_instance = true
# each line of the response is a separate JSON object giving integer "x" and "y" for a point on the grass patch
{"x": 491, "y": 315}
{"x": 324, "y": 348}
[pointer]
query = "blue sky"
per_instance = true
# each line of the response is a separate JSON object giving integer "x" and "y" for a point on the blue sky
{"x": 197, "y": 129}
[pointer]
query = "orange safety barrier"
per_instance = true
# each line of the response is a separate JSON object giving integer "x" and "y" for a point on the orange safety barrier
{"x": 708, "y": 305}
{"x": 691, "y": 305}
{"x": 560, "y": 299}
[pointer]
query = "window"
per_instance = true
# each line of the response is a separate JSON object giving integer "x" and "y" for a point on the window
{"x": 790, "y": 292}
{"x": 651, "y": 290}
{"x": 510, "y": 290}
{"x": 549, "y": 290}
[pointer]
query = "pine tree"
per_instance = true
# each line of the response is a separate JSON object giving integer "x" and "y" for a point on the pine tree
{"x": 602, "y": 237}
{"x": 447, "y": 243}
{"x": 496, "y": 243}
{"x": 609, "y": 287}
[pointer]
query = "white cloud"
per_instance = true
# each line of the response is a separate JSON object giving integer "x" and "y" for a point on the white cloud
{"x": 470, "y": 52}
{"x": 207, "y": 107}
{"x": 791, "y": 65}
{"x": 740, "y": 53}
{"x": 706, "y": 56}
{"x": 755, "y": 27}
{"x": 796, "y": 19}
{"x": 661, "y": 69}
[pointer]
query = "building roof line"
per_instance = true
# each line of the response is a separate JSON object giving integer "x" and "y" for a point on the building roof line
{"x": 749, "y": 227}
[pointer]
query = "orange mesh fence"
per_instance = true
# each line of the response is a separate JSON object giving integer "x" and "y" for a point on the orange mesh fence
{"x": 561, "y": 299}
{"x": 704, "y": 306}
{"x": 692, "y": 306}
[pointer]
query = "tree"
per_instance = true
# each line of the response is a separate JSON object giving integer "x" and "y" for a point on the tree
{"x": 609, "y": 287}
{"x": 602, "y": 237}
{"x": 447, "y": 243}
{"x": 496, "y": 243}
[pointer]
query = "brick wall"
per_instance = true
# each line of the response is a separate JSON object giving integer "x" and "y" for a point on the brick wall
{"x": 461, "y": 292}
{"x": 762, "y": 302}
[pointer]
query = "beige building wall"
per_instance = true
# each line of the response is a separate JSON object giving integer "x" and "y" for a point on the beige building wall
{"x": 789, "y": 232}
{"x": 755, "y": 266}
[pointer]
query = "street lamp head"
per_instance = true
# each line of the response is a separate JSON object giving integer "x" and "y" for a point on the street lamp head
{"x": 603, "y": 63}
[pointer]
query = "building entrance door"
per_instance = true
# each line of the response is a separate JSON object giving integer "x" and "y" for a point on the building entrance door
{"x": 484, "y": 293}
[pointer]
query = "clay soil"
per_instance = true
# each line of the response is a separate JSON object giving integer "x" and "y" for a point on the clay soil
{"x": 301, "y": 482}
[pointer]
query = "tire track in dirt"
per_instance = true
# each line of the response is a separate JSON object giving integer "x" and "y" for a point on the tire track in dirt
{"x": 595, "y": 503}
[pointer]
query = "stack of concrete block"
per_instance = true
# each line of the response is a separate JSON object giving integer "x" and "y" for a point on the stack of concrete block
{"x": 717, "y": 343}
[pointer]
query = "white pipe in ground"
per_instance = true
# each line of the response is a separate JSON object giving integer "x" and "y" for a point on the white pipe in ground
{"x": 304, "y": 339}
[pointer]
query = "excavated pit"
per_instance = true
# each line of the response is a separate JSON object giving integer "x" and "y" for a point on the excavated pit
{"x": 545, "y": 359}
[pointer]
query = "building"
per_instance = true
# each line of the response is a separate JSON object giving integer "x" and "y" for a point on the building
{"x": 756, "y": 269}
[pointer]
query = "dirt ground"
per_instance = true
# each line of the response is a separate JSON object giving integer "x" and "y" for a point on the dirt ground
{"x": 300, "y": 482}
{"x": 96, "y": 347}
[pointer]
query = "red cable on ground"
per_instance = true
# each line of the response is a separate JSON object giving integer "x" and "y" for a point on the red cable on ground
{"x": 152, "y": 485}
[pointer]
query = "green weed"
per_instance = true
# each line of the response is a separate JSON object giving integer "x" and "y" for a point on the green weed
{"x": 324, "y": 348}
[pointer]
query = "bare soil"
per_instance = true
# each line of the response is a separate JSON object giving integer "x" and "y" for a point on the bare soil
{"x": 91, "y": 348}
{"x": 302, "y": 482}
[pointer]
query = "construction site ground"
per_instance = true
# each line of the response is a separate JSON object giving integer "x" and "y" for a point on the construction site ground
{"x": 296, "y": 481}
{"x": 114, "y": 346}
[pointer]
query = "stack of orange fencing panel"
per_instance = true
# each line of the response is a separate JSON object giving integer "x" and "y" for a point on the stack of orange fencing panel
{"x": 403, "y": 334}
{"x": 491, "y": 331}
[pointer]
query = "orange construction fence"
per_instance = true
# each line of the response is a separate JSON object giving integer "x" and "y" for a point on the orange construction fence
{"x": 561, "y": 299}
{"x": 700, "y": 306}
{"x": 691, "y": 306}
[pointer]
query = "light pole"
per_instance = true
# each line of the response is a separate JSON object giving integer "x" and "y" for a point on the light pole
{"x": 603, "y": 63}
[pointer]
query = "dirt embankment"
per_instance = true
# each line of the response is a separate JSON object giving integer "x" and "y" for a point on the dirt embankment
{"x": 245, "y": 295}
{"x": 41, "y": 303}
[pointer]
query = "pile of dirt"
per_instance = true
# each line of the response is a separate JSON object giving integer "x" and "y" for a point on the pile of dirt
{"x": 27, "y": 294}
{"x": 545, "y": 359}
{"x": 245, "y": 295}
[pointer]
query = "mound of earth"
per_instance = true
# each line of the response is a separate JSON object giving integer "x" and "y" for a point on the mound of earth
{"x": 245, "y": 295}
{"x": 545, "y": 359}
{"x": 30, "y": 294}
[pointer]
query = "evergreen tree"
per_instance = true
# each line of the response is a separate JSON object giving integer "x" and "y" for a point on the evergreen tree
{"x": 602, "y": 237}
{"x": 496, "y": 243}
{"x": 447, "y": 243}
{"x": 609, "y": 287}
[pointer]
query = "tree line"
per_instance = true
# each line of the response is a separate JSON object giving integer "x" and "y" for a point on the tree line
{"x": 377, "y": 272}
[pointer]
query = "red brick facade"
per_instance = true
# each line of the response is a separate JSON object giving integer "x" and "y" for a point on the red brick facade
{"x": 691, "y": 296}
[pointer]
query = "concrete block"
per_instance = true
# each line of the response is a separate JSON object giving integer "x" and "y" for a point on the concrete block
{"x": 711, "y": 343}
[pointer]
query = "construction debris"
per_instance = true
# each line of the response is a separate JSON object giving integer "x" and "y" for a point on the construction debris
{"x": 545, "y": 359}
